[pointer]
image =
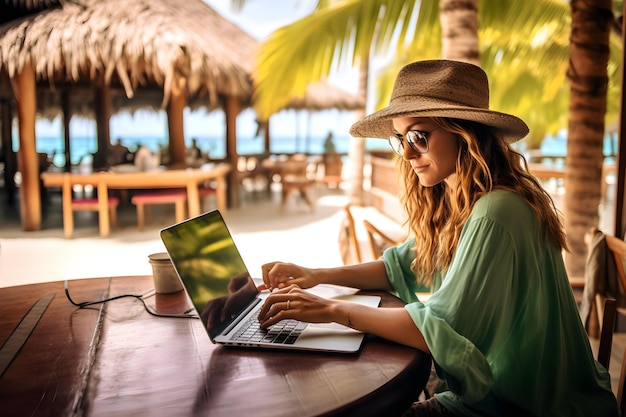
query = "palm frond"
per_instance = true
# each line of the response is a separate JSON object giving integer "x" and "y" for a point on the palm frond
{"x": 312, "y": 47}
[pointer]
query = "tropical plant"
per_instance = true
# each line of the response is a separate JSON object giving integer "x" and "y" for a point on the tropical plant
{"x": 588, "y": 80}
{"x": 523, "y": 47}
{"x": 520, "y": 43}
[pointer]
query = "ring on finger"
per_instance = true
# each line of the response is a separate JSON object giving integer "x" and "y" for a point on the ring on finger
{"x": 288, "y": 301}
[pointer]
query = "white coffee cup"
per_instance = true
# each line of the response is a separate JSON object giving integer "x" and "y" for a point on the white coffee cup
{"x": 165, "y": 278}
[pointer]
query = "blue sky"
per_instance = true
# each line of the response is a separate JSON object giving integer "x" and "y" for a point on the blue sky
{"x": 259, "y": 18}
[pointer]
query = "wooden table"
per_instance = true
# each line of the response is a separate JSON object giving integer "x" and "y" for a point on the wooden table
{"x": 189, "y": 179}
{"x": 116, "y": 359}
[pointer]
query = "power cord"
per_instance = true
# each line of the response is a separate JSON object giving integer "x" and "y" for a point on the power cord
{"x": 141, "y": 298}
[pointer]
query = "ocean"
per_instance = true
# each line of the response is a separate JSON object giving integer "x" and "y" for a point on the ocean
{"x": 81, "y": 146}
{"x": 216, "y": 146}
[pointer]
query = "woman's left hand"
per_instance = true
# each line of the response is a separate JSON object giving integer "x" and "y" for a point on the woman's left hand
{"x": 292, "y": 302}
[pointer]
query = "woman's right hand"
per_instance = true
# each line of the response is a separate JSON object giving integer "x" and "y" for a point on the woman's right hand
{"x": 277, "y": 275}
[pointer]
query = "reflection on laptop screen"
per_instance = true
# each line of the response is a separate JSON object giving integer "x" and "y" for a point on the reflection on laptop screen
{"x": 211, "y": 269}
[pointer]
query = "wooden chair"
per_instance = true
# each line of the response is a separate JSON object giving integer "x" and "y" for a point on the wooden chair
{"x": 71, "y": 204}
{"x": 608, "y": 314}
{"x": 348, "y": 242}
{"x": 617, "y": 248}
{"x": 294, "y": 178}
{"x": 251, "y": 173}
{"x": 378, "y": 240}
{"x": 333, "y": 167}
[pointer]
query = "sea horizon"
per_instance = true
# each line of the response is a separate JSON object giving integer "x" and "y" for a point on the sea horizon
{"x": 215, "y": 147}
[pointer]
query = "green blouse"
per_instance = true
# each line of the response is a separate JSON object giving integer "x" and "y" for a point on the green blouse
{"x": 502, "y": 323}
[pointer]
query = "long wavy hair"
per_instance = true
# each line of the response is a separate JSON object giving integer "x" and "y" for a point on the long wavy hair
{"x": 485, "y": 162}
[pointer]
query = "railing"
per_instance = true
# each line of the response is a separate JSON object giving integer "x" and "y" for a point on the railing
{"x": 384, "y": 191}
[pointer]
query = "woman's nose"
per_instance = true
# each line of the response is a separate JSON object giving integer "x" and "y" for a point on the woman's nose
{"x": 408, "y": 153}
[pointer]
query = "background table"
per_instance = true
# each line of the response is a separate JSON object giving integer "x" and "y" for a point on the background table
{"x": 116, "y": 359}
{"x": 189, "y": 179}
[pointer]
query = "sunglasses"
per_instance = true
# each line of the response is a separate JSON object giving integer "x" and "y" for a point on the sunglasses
{"x": 417, "y": 140}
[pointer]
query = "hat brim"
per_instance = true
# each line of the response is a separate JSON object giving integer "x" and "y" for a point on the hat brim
{"x": 380, "y": 124}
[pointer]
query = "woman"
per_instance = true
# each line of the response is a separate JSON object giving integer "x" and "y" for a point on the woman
{"x": 501, "y": 324}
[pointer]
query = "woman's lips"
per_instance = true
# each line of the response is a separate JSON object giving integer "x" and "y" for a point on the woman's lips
{"x": 420, "y": 169}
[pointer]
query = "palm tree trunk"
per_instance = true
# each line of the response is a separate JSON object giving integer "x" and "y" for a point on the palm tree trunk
{"x": 459, "y": 30}
{"x": 356, "y": 152}
{"x": 587, "y": 72}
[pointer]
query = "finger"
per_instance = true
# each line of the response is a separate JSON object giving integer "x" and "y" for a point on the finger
{"x": 276, "y": 312}
{"x": 265, "y": 311}
{"x": 287, "y": 289}
{"x": 278, "y": 275}
{"x": 285, "y": 283}
{"x": 265, "y": 270}
{"x": 277, "y": 298}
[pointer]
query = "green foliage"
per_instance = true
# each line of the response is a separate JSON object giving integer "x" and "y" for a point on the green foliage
{"x": 524, "y": 49}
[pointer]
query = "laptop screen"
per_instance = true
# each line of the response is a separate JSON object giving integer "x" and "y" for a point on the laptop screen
{"x": 211, "y": 269}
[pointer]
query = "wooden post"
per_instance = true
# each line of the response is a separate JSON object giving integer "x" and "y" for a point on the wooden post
{"x": 103, "y": 104}
{"x": 620, "y": 195}
{"x": 27, "y": 160}
{"x": 65, "y": 99}
{"x": 10, "y": 161}
{"x": 266, "y": 138}
{"x": 231, "y": 110}
{"x": 175, "y": 108}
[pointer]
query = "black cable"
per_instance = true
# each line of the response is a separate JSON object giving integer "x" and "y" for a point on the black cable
{"x": 184, "y": 315}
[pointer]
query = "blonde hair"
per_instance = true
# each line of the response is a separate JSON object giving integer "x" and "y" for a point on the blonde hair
{"x": 484, "y": 163}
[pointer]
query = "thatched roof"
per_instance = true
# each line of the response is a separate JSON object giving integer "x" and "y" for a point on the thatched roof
{"x": 137, "y": 47}
{"x": 132, "y": 44}
{"x": 322, "y": 96}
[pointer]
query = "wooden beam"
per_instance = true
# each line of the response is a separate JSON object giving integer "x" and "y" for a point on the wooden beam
{"x": 231, "y": 110}
{"x": 10, "y": 159}
{"x": 65, "y": 99}
{"x": 103, "y": 104}
{"x": 175, "y": 109}
{"x": 620, "y": 197}
{"x": 267, "y": 138}
{"x": 27, "y": 159}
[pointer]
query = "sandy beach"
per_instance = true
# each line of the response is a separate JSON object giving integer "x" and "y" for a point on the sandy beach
{"x": 261, "y": 232}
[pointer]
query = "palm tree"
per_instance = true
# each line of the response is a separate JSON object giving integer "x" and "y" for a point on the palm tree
{"x": 342, "y": 32}
{"x": 350, "y": 31}
{"x": 459, "y": 27}
{"x": 587, "y": 73}
{"x": 523, "y": 47}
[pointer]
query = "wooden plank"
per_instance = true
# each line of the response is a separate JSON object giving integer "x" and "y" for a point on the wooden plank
{"x": 47, "y": 377}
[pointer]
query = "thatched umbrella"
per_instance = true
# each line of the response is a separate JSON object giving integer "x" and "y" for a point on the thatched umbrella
{"x": 75, "y": 57}
{"x": 322, "y": 96}
{"x": 319, "y": 96}
{"x": 97, "y": 57}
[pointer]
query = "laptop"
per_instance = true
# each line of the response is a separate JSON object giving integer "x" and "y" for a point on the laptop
{"x": 226, "y": 297}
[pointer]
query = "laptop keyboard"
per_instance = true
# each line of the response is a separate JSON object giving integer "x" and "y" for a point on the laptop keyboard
{"x": 284, "y": 332}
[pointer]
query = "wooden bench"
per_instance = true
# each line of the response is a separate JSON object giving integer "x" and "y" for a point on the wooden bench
{"x": 176, "y": 197}
{"x": 71, "y": 204}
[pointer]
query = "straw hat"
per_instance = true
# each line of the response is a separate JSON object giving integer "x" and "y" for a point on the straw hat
{"x": 440, "y": 88}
